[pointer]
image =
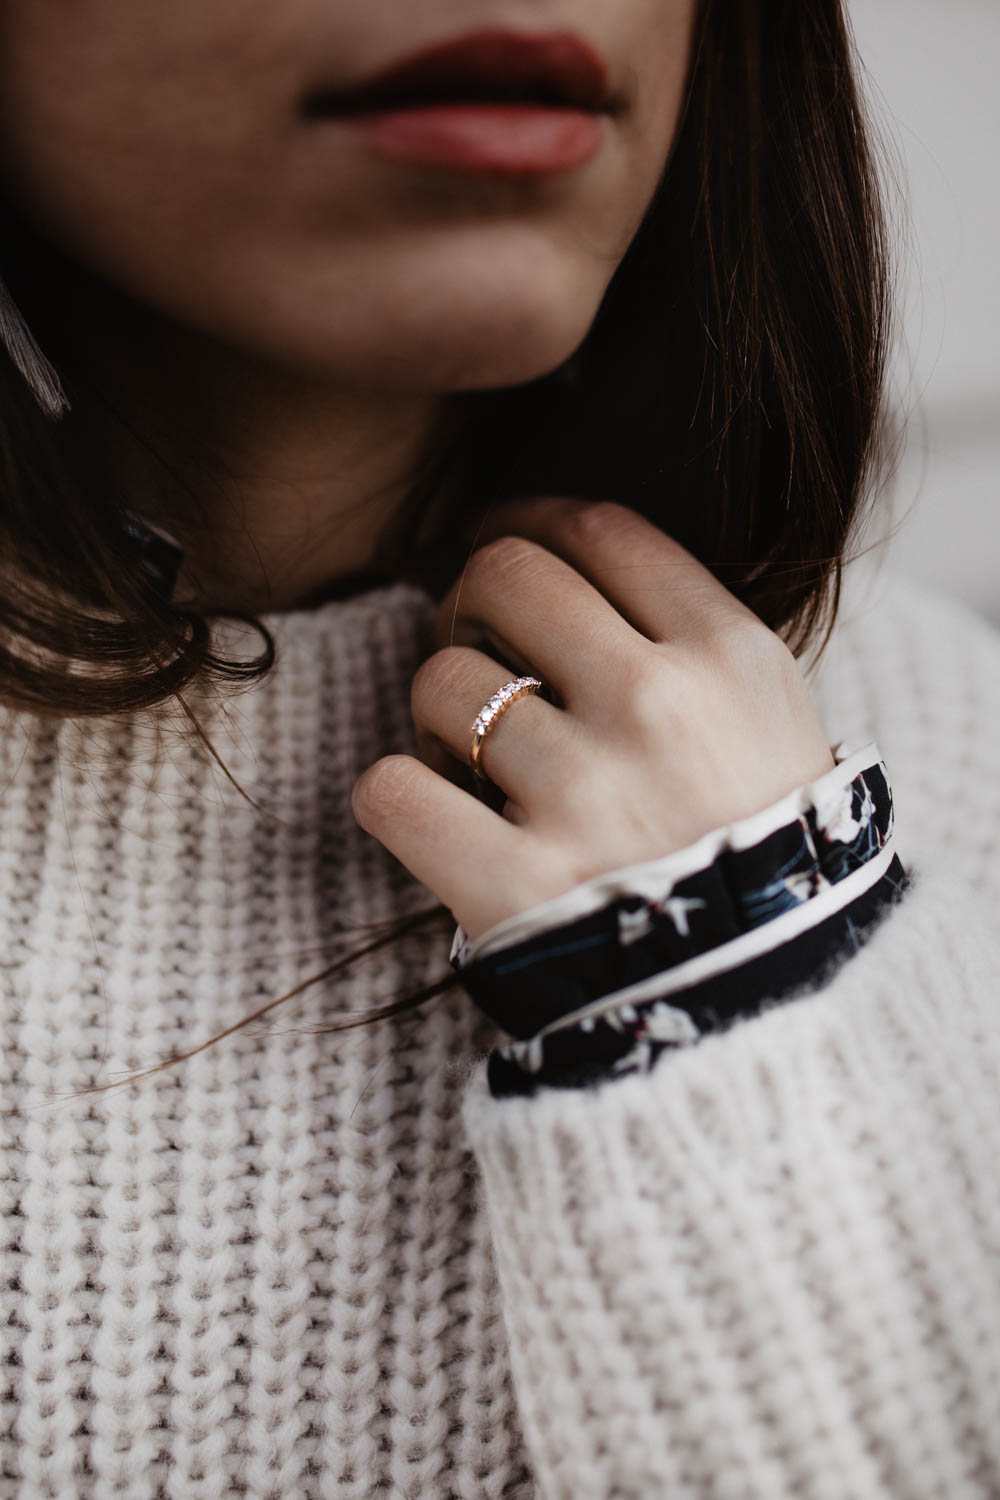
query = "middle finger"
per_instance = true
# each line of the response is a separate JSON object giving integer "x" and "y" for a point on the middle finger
{"x": 542, "y": 616}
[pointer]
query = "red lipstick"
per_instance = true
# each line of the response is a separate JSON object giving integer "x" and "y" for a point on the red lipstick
{"x": 493, "y": 101}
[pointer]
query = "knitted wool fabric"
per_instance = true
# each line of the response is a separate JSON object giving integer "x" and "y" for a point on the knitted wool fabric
{"x": 305, "y": 1265}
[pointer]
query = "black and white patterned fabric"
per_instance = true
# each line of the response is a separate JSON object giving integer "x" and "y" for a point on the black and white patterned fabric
{"x": 663, "y": 953}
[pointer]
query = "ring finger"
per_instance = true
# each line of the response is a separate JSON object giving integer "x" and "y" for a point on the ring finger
{"x": 525, "y": 739}
{"x": 532, "y": 606}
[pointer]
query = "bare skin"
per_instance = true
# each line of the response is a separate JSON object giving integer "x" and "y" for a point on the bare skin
{"x": 285, "y": 319}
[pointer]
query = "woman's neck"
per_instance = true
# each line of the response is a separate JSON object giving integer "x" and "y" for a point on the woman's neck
{"x": 277, "y": 487}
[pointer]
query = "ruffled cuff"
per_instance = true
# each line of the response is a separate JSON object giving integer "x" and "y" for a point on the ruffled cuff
{"x": 605, "y": 977}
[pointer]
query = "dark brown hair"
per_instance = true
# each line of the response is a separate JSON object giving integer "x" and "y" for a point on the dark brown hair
{"x": 731, "y": 390}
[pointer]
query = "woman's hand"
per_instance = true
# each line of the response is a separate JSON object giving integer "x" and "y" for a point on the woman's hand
{"x": 677, "y": 711}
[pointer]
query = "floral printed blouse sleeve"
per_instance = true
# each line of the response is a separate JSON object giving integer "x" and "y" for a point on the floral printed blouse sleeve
{"x": 763, "y": 1263}
{"x": 601, "y": 981}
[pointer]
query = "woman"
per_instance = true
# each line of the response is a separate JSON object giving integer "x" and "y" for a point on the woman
{"x": 489, "y": 393}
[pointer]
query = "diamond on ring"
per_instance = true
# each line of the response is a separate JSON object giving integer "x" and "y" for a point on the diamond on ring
{"x": 516, "y": 688}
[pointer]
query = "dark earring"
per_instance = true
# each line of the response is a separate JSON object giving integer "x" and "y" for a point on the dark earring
{"x": 39, "y": 376}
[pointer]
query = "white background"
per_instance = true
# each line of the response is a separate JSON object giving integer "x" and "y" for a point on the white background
{"x": 934, "y": 88}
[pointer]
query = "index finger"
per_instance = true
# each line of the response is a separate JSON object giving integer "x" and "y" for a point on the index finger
{"x": 654, "y": 582}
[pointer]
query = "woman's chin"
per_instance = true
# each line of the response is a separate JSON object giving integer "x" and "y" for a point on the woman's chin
{"x": 506, "y": 332}
{"x": 500, "y": 368}
{"x": 446, "y": 361}
{"x": 432, "y": 323}
{"x": 476, "y": 354}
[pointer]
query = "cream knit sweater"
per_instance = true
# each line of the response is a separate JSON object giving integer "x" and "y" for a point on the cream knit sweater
{"x": 319, "y": 1265}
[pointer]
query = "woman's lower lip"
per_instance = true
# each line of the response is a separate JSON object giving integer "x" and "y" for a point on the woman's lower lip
{"x": 515, "y": 140}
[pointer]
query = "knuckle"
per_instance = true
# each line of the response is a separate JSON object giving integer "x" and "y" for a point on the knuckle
{"x": 746, "y": 657}
{"x": 386, "y": 786}
{"x": 651, "y": 688}
{"x": 664, "y": 687}
{"x": 591, "y": 522}
{"x": 502, "y": 558}
{"x": 777, "y": 652}
{"x": 441, "y": 677}
{"x": 739, "y": 635}
{"x": 762, "y": 648}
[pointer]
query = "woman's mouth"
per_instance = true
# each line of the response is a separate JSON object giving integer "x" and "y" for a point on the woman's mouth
{"x": 491, "y": 102}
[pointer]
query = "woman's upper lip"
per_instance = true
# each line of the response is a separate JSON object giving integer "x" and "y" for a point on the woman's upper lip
{"x": 556, "y": 68}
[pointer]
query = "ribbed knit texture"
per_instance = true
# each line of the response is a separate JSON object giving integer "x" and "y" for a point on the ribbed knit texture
{"x": 308, "y": 1264}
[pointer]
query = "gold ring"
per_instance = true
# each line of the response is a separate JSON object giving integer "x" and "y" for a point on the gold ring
{"x": 518, "y": 687}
